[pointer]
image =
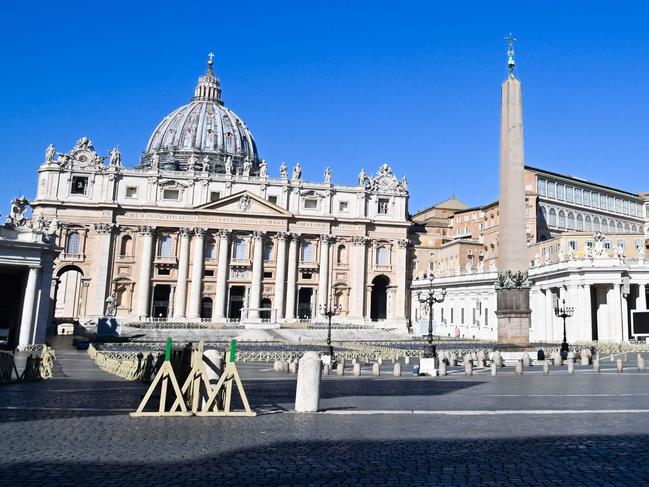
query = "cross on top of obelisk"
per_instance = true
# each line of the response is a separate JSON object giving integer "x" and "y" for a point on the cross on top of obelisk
{"x": 511, "y": 64}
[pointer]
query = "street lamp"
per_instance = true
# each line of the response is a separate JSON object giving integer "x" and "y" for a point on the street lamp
{"x": 430, "y": 298}
{"x": 564, "y": 312}
{"x": 329, "y": 310}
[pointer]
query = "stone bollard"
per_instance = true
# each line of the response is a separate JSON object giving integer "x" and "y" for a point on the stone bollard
{"x": 494, "y": 368}
{"x": 406, "y": 360}
{"x": 442, "y": 368}
{"x": 326, "y": 369}
{"x": 498, "y": 359}
{"x": 626, "y": 357}
{"x": 376, "y": 369}
{"x": 619, "y": 364}
{"x": 556, "y": 358}
{"x": 452, "y": 360}
{"x": 340, "y": 367}
{"x": 354, "y": 361}
{"x": 640, "y": 361}
{"x": 519, "y": 367}
{"x": 277, "y": 366}
{"x": 468, "y": 366}
{"x": 546, "y": 367}
{"x": 397, "y": 369}
{"x": 527, "y": 361}
{"x": 292, "y": 367}
{"x": 585, "y": 359}
{"x": 285, "y": 366}
{"x": 380, "y": 361}
{"x": 612, "y": 358}
{"x": 356, "y": 370}
{"x": 596, "y": 363}
{"x": 571, "y": 366}
{"x": 307, "y": 394}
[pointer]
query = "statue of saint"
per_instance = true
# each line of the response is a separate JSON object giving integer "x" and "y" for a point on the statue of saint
{"x": 115, "y": 157}
{"x": 246, "y": 166}
{"x": 191, "y": 162}
{"x": 297, "y": 172}
{"x": 327, "y": 175}
{"x": 362, "y": 177}
{"x": 283, "y": 171}
{"x": 17, "y": 212}
{"x": 263, "y": 169}
{"x": 228, "y": 166}
{"x": 49, "y": 154}
{"x": 155, "y": 161}
{"x": 111, "y": 306}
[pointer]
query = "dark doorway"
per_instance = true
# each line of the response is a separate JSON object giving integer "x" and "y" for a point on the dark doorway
{"x": 237, "y": 295}
{"x": 12, "y": 284}
{"x": 267, "y": 305}
{"x": 206, "y": 308}
{"x": 304, "y": 296}
{"x": 379, "y": 304}
{"x": 160, "y": 308}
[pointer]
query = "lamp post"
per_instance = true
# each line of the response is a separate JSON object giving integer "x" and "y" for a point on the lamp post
{"x": 330, "y": 310}
{"x": 429, "y": 299}
{"x": 563, "y": 311}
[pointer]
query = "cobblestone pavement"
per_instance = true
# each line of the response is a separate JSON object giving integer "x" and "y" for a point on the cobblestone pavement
{"x": 517, "y": 430}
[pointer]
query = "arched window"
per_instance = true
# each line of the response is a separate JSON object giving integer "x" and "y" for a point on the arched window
{"x": 571, "y": 221}
{"x": 382, "y": 255}
{"x": 73, "y": 244}
{"x": 588, "y": 224}
{"x": 604, "y": 225}
{"x": 634, "y": 229}
{"x": 562, "y": 219}
{"x": 268, "y": 251}
{"x": 596, "y": 225}
{"x": 165, "y": 248}
{"x": 210, "y": 249}
{"x": 580, "y": 223}
{"x": 553, "y": 218}
{"x": 620, "y": 228}
{"x": 206, "y": 308}
{"x": 239, "y": 248}
{"x": 544, "y": 212}
{"x": 126, "y": 246}
{"x": 342, "y": 255}
{"x": 307, "y": 252}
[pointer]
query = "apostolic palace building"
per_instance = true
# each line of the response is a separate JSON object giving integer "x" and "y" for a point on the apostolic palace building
{"x": 204, "y": 229}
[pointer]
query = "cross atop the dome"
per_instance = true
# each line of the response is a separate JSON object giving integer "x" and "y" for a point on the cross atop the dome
{"x": 211, "y": 56}
{"x": 510, "y": 54}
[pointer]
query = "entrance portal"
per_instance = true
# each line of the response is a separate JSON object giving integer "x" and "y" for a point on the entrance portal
{"x": 379, "y": 302}
{"x": 68, "y": 293}
{"x": 237, "y": 295}
{"x": 160, "y": 307}
{"x": 265, "y": 314}
{"x": 304, "y": 296}
{"x": 12, "y": 284}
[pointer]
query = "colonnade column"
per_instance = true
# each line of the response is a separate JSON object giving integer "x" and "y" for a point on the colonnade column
{"x": 585, "y": 314}
{"x": 402, "y": 264}
{"x": 549, "y": 314}
{"x": 183, "y": 271}
{"x": 615, "y": 313}
{"x": 280, "y": 275}
{"x": 29, "y": 307}
{"x": 98, "y": 290}
{"x": 291, "y": 276}
{"x": 222, "y": 273}
{"x": 43, "y": 318}
{"x": 144, "y": 280}
{"x": 323, "y": 279}
{"x": 573, "y": 323}
{"x": 358, "y": 284}
{"x": 194, "y": 310}
{"x": 257, "y": 273}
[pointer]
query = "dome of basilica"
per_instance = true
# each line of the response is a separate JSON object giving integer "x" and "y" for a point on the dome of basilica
{"x": 202, "y": 135}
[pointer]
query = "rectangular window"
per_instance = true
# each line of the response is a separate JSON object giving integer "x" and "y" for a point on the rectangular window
{"x": 79, "y": 185}
{"x": 209, "y": 272}
{"x": 383, "y": 206}
{"x": 589, "y": 244}
{"x": 602, "y": 201}
{"x": 578, "y": 197}
{"x": 268, "y": 275}
{"x": 561, "y": 192}
{"x": 307, "y": 275}
{"x": 626, "y": 207}
{"x": 215, "y": 196}
{"x": 272, "y": 199}
{"x": 343, "y": 206}
{"x": 552, "y": 189}
{"x": 618, "y": 205}
{"x": 620, "y": 243}
{"x": 170, "y": 194}
{"x": 570, "y": 198}
{"x": 311, "y": 203}
{"x": 639, "y": 244}
{"x": 164, "y": 272}
{"x": 572, "y": 244}
{"x": 586, "y": 198}
{"x": 540, "y": 187}
{"x": 131, "y": 192}
{"x": 607, "y": 244}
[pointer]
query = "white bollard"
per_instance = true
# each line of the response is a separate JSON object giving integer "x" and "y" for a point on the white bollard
{"x": 292, "y": 367}
{"x": 620, "y": 365}
{"x": 498, "y": 359}
{"x": 468, "y": 366}
{"x": 376, "y": 369}
{"x": 452, "y": 361}
{"x": 640, "y": 361}
{"x": 406, "y": 360}
{"x": 380, "y": 361}
{"x": 519, "y": 367}
{"x": 277, "y": 366}
{"x": 556, "y": 358}
{"x": 527, "y": 361}
{"x": 326, "y": 369}
{"x": 546, "y": 367}
{"x": 354, "y": 361}
{"x": 285, "y": 366}
{"x": 596, "y": 363}
{"x": 585, "y": 359}
{"x": 442, "y": 368}
{"x": 397, "y": 369}
{"x": 307, "y": 394}
{"x": 571, "y": 366}
{"x": 356, "y": 370}
{"x": 494, "y": 368}
{"x": 340, "y": 367}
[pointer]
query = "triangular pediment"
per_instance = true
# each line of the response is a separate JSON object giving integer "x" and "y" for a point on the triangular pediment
{"x": 245, "y": 203}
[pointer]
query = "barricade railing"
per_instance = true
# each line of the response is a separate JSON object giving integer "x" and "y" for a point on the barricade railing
{"x": 37, "y": 367}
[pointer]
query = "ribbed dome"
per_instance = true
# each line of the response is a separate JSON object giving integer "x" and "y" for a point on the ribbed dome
{"x": 203, "y": 128}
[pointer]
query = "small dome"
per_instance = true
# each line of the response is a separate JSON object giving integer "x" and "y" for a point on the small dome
{"x": 203, "y": 132}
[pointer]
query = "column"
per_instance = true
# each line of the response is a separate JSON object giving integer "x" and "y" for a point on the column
{"x": 194, "y": 310}
{"x": 641, "y": 302}
{"x": 549, "y": 315}
{"x": 537, "y": 303}
{"x": 29, "y": 307}
{"x": 624, "y": 304}
{"x": 401, "y": 284}
{"x": 98, "y": 290}
{"x": 257, "y": 273}
{"x": 44, "y": 317}
{"x": 183, "y": 271}
{"x": 323, "y": 272}
{"x": 144, "y": 279}
{"x": 280, "y": 275}
{"x": 172, "y": 307}
{"x": 222, "y": 273}
{"x": 585, "y": 315}
{"x": 359, "y": 245}
{"x": 572, "y": 323}
{"x": 615, "y": 313}
{"x": 291, "y": 276}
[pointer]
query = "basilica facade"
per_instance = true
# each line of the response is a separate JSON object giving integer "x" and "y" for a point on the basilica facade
{"x": 201, "y": 230}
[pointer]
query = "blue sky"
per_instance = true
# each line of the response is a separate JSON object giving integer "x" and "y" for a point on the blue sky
{"x": 349, "y": 84}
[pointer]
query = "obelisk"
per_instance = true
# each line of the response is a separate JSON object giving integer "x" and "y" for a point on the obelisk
{"x": 512, "y": 287}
